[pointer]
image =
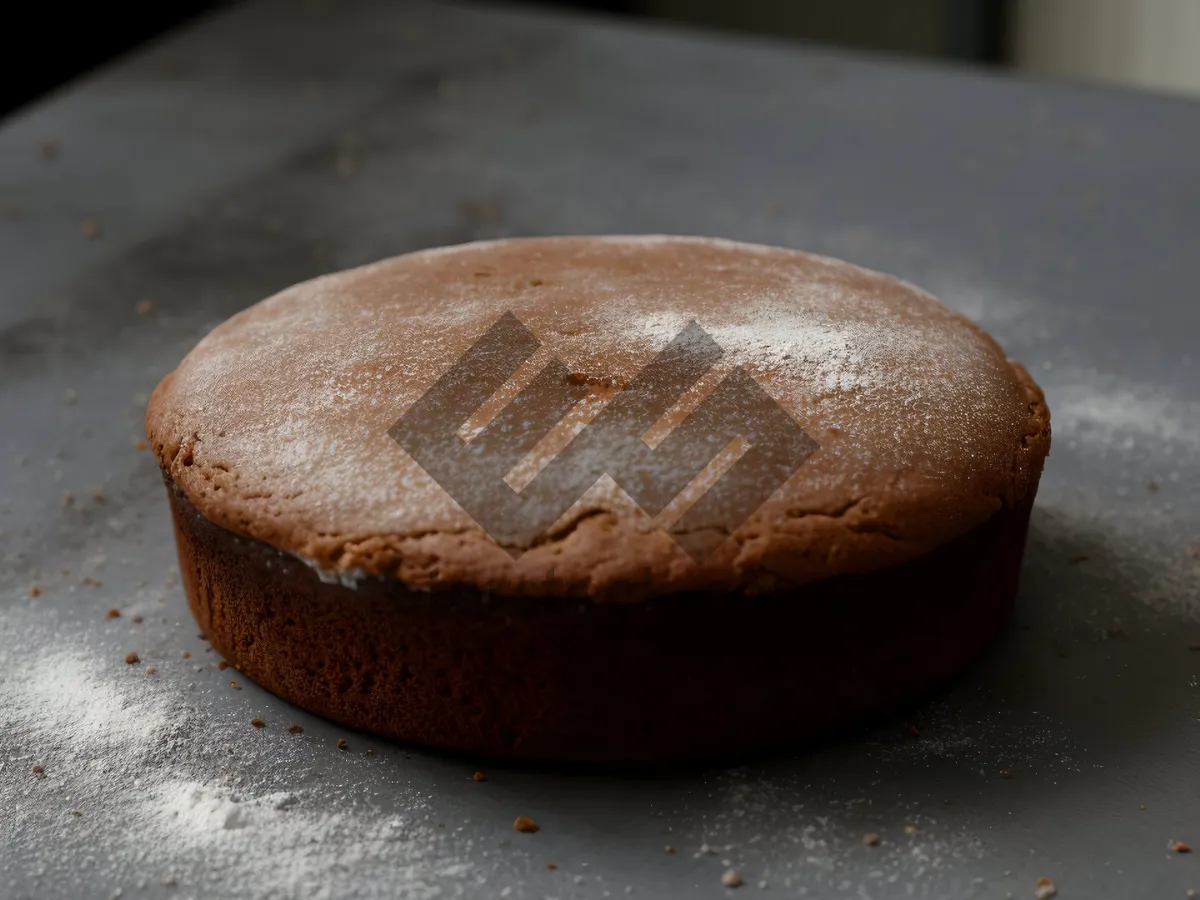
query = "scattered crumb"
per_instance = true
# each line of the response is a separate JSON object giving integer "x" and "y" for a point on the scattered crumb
{"x": 38, "y": 770}
{"x": 1116, "y": 631}
{"x": 144, "y": 308}
{"x": 222, "y": 666}
{"x": 66, "y": 500}
{"x": 140, "y": 445}
{"x": 113, "y": 613}
{"x": 731, "y": 879}
{"x": 1178, "y": 847}
{"x": 48, "y": 149}
{"x": 233, "y": 684}
{"x": 479, "y": 776}
{"x": 1046, "y": 889}
{"x": 295, "y": 729}
{"x": 136, "y": 619}
{"x": 1076, "y": 560}
{"x": 187, "y": 654}
{"x": 1142, "y": 806}
{"x": 551, "y": 866}
{"x": 99, "y": 496}
{"x": 1152, "y": 485}
{"x": 132, "y": 659}
{"x": 258, "y": 723}
{"x": 90, "y": 229}
{"x": 90, "y": 582}
{"x": 910, "y": 829}
{"x": 525, "y": 825}
{"x": 669, "y": 849}
{"x": 1194, "y": 551}
{"x": 871, "y": 839}
{"x": 150, "y": 670}
{"x": 371, "y": 752}
{"x": 342, "y": 745}
{"x": 1006, "y": 773}
{"x": 35, "y": 591}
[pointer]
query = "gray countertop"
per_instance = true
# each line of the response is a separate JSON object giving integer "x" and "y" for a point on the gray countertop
{"x": 282, "y": 140}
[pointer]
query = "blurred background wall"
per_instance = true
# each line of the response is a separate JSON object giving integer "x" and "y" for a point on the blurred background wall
{"x": 1140, "y": 43}
{"x": 1143, "y": 43}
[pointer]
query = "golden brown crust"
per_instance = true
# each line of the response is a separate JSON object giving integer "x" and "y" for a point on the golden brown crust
{"x": 275, "y": 427}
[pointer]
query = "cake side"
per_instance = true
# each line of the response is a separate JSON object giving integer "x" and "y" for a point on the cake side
{"x": 536, "y": 679}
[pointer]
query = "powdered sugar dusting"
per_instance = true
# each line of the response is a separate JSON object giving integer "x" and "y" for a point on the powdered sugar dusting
{"x": 287, "y": 406}
{"x": 121, "y": 750}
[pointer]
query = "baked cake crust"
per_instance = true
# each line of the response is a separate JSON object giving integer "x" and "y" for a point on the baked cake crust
{"x": 276, "y": 426}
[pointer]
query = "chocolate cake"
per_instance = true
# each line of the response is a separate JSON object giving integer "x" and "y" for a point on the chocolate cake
{"x": 332, "y": 558}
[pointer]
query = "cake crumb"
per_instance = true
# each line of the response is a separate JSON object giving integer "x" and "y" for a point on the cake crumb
{"x": 132, "y": 659}
{"x": 669, "y": 850}
{"x": 479, "y": 776}
{"x": 233, "y": 684}
{"x": 295, "y": 729}
{"x": 38, "y": 770}
{"x": 113, "y": 613}
{"x": 187, "y": 654}
{"x": 90, "y": 582}
{"x": 342, "y": 745}
{"x": 90, "y": 229}
{"x": 1152, "y": 486}
{"x": 370, "y": 752}
{"x": 910, "y": 829}
{"x": 258, "y": 723}
{"x": 35, "y": 591}
{"x": 136, "y": 619}
{"x": 871, "y": 839}
{"x": 99, "y": 496}
{"x": 151, "y": 670}
{"x": 1046, "y": 888}
{"x": 1116, "y": 631}
{"x": 1076, "y": 560}
{"x": 525, "y": 825}
{"x": 144, "y": 308}
{"x": 140, "y": 445}
{"x": 222, "y": 666}
{"x": 48, "y": 149}
{"x": 66, "y": 499}
{"x": 551, "y": 866}
{"x": 731, "y": 878}
{"x": 1179, "y": 847}
{"x": 1006, "y": 773}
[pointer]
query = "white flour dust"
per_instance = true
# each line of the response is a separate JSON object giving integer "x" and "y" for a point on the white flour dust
{"x": 121, "y": 752}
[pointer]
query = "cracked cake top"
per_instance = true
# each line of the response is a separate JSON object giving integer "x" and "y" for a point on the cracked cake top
{"x": 276, "y": 426}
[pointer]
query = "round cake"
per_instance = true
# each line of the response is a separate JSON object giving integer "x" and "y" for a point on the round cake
{"x": 600, "y": 499}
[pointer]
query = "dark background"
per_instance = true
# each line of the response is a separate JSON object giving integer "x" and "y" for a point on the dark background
{"x": 67, "y": 42}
